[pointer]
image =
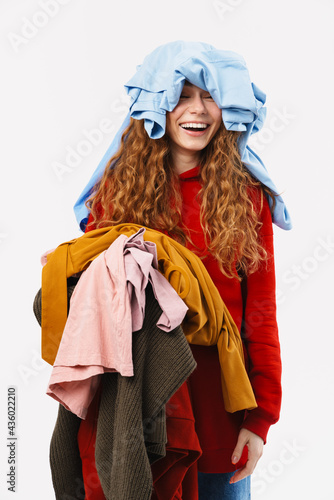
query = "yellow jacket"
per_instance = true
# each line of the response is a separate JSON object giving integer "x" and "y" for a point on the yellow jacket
{"x": 208, "y": 321}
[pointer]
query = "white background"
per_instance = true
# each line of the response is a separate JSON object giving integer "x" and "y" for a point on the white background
{"x": 61, "y": 79}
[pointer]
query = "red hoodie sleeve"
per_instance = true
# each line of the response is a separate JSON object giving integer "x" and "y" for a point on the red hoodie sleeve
{"x": 260, "y": 335}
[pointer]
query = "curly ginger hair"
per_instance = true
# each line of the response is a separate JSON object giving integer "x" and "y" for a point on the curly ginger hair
{"x": 140, "y": 185}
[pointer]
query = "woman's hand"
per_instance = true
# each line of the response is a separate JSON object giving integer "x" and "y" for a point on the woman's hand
{"x": 255, "y": 450}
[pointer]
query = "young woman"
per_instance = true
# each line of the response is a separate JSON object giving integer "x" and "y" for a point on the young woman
{"x": 183, "y": 167}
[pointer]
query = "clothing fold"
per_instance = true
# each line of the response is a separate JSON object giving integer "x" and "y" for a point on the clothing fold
{"x": 109, "y": 300}
{"x": 131, "y": 427}
{"x": 131, "y": 418}
{"x": 207, "y": 322}
{"x": 65, "y": 462}
{"x": 175, "y": 475}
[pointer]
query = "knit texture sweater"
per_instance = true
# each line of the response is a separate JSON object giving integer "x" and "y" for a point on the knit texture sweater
{"x": 131, "y": 425}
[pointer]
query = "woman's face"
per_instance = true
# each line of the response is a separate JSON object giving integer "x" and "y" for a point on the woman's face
{"x": 193, "y": 122}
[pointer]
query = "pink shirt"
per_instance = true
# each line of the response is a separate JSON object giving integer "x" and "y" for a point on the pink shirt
{"x": 107, "y": 305}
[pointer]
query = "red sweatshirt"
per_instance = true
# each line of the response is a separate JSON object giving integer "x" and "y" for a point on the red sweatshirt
{"x": 217, "y": 429}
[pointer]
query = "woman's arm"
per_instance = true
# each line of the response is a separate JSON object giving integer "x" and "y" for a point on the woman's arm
{"x": 260, "y": 336}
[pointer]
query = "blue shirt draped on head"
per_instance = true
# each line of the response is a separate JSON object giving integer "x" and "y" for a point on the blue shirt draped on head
{"x": 156, "y": 87}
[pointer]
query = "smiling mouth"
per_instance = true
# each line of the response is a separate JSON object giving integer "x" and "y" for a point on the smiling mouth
{"x": 194, "y": 126}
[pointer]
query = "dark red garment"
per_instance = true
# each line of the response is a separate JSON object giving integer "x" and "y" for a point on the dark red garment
{"x": 86, "y": 443}
{"x": 217, "y": 429}
{"x": 175, "y": 475}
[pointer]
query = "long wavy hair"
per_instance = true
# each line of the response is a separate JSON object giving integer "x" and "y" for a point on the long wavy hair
{"x": 140, "y": 185}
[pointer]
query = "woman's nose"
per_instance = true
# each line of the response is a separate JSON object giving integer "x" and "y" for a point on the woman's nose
{"x": 197, "y": 105}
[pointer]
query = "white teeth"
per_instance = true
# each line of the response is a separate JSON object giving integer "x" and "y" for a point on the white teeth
{"x": 195, "y": 125}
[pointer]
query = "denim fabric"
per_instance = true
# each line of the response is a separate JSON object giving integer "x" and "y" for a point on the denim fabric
{"x": 218, "y": 487}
